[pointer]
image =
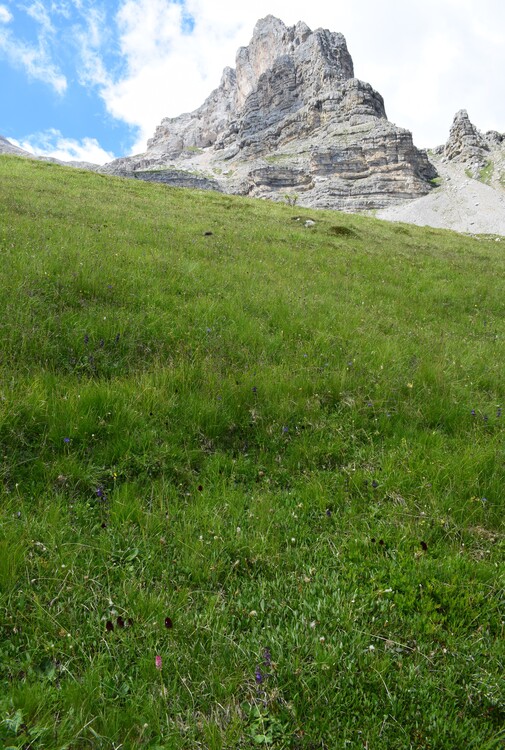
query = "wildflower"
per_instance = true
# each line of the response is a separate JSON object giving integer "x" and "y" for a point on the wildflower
{"x": 375, "y": 484}
{"x": 267, "y": 657}
{"x": 498, "y": 412}
{"x": 473, "y": 412}
{"x": 86, "y": 338}
{"x": 258, "y": 676}
{"x": 66, "y": 440}
{"x": 158, "y": 662}
{"x": 254, "y": 389}
{"x": 285, "y": 429}
{"x": 99, "y": 492}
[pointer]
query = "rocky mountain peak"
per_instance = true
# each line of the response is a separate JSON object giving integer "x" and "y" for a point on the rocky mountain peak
{"x": 290, "y": 118}
{"x": 272, "y": 40}
{"x": 465, "y": 143}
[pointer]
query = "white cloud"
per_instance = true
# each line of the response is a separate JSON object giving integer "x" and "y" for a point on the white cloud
{"x": 35, "y": 60}
{"x": 5, "y": 14}
{"x": 38, "y": 11}
{"x": 90, "y": 39}
{"x": 52, "y": 143}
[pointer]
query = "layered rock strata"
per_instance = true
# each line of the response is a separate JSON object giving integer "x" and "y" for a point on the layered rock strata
{"x": 290, "y": 121}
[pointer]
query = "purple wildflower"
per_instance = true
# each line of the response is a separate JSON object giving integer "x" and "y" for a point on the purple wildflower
{"x": 258, "y": 676}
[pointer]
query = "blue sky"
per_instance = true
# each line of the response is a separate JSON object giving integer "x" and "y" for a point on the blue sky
{"x": 83, "y": 79}
{"x": 42, "y": 81}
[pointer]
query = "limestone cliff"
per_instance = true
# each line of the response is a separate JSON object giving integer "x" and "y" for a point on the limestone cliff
{"x": 289, "y": 120}
{"x": 482, "y": 154}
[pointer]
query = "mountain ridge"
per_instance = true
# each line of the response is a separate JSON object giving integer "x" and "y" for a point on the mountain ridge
{"x": 292, "y": 119}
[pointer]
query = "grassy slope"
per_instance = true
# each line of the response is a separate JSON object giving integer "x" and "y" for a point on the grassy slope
{"x": 278, "y": 437}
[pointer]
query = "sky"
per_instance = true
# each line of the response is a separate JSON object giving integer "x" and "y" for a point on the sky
{"x": 90, "y": 80}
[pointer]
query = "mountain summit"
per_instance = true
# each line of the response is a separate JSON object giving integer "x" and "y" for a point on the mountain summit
{"x": 289, "y": 122}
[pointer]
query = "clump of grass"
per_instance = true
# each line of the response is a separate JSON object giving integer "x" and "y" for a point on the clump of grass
{"x": 251, "y": 476}
{"x": 486, "y": 173}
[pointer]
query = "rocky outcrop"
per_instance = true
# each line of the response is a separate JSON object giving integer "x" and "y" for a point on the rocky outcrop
{"x": 290, "y": 119}
{"x": 465, "y": 144}
{"x": 482, "y": 154}
{"x": 177, "y": 178}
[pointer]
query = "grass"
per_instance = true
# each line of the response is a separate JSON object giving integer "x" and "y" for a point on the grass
{"x": 251, "y": 473}
{"x": 275, "y": 158}
{"x": 486, "y": 173}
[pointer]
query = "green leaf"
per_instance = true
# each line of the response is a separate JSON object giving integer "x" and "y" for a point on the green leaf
{"x": 14, "y": 722}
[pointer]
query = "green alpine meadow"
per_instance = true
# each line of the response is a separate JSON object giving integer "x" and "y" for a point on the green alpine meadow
{"x": 252, "y": 473}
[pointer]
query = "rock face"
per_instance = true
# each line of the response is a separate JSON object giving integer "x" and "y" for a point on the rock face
{"x": 470, "y": 193}
{"x": 467, "y": 145}
{"x": 290, "y": 121}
